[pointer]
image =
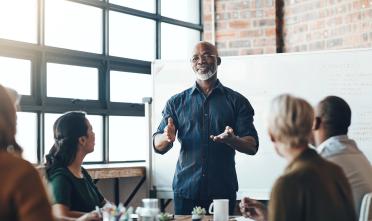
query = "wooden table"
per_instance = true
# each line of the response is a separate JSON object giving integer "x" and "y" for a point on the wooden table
{"x": 115, "y": 171}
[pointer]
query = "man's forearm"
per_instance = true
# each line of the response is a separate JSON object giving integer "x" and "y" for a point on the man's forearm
{"x": 247, "y": 144}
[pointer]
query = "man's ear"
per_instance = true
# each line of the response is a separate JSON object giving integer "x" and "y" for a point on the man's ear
{"x": 272, "y": 138}
{"x": 317, "y": 122}
{"x": 218, "y": 60}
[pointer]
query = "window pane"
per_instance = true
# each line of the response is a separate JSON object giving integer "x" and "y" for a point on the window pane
{"x": 12, "y": 70}
{"x": 132, "y": 37}
{"x": 129, "y": 87}
{"x": 95, "y": 121}
{"x": 128, "y": 138}
{"x": 18, "y": 20}
{"x": 143, "y": 5}
{"x": 171, "y": 49}
{"x": 27, "y": 135}
{"x": 70, "y": 81}
{"x": 185, "y": 10}
{"x": 73, "y": 26}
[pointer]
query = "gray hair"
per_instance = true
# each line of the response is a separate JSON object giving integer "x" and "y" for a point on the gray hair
{"x": 290, "y": 120}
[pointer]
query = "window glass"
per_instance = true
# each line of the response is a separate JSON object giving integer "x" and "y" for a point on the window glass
{"x": 131, "y": 36}
{"x": 143, "y": 5}
{"x": 129, "y": 87}
{"x": 71, "y": 81}
{"x": 27, "y": 135}
{"x": 18, "y": 20}
{"x": 128, "y": 139}
{"x": 177, "y": 42}
{"x": 74, "y": 26}
{"x": 12, "y": 70}
{"x": 185, "y": 10}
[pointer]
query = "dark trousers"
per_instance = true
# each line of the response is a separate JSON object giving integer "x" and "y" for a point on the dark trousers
{"x": 183, "y": 206}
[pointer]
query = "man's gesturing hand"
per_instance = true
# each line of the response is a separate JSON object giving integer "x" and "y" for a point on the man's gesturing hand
{"x": 170, "y": 131}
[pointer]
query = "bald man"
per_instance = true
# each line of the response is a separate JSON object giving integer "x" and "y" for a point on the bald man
{"x": 211, "y": 122}
{"x": 333, "y": 118}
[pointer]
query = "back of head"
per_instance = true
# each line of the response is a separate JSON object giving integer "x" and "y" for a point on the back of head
{"x": 335, "y": 115}
{"x": 67, "y": 130}
{"x": 290, "y": 120}
{"x": 7, "y": 122}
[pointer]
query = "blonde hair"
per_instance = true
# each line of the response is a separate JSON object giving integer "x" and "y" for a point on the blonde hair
{"x": 290, "y": 120}
{"x": 8, "y": 122}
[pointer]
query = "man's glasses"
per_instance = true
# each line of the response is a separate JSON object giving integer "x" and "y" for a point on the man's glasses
{"x": 206, "y": 57}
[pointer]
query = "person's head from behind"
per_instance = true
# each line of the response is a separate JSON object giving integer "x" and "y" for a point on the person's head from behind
{"x": 205, "y": 60}
{"x": 73, "y": 135}
{"x": 8, "y": 122}
{"x": 290, "y": 123}
{"x": 333, "y": 118}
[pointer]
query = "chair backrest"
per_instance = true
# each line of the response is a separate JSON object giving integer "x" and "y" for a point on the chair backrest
{"x": 366, "y": 208}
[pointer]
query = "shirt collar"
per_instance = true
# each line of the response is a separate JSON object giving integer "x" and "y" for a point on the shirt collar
{"x": 325, "y": 143}
{"x": 218, "y": 86}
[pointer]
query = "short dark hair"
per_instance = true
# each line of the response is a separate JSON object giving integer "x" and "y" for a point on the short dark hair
{"x": 335, "y": 114}
{"x": 67, "y": 130}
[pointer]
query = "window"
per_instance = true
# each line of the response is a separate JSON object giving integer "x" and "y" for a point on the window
{"x": 122, "y": 89}
{"x": 27, "y": 135}
{"x": 72, "y": 81}
{"x": 11, "y": 70}
{"x": 73, "y": 26}
{"x": 93, "y": 56}
{"x": 132, "y": 36}
{"x": 128, "y": 138}
{"x": 185, "y": 10}
{"x": 171, "y": 37}
{"x": 18, "y": 23}
{"x": 143, "y": 5}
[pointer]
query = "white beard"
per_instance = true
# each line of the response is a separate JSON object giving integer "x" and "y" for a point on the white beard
{"x": 204, "y": 77}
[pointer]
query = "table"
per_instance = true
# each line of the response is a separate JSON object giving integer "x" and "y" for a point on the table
{"x": 114, "y": 171}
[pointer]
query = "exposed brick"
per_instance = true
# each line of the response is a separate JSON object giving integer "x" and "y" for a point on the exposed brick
{"x": 334, "y": 42}
{"x": 251, "y": 33}
{"x": 240, "y": 44}
{"x": 239, "y": 24}
{"x": 251, "y": 51}
{"x": 228, "y": 53}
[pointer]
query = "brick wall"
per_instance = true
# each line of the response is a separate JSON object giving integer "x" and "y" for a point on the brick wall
{"x": 242, "y": 27}
{"x": 248, "y": 26}
{"x": 327, "y": 24}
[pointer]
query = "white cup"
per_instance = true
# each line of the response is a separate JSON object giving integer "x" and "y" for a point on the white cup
{"x": 150, "y": 203}
{"x": 220, "y": 210}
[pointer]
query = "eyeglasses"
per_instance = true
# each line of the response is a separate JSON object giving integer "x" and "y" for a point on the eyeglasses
{"x": 206, "y": 57}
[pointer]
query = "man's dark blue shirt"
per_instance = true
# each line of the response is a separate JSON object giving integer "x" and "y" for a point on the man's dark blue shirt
{"x": 206, "y": 169}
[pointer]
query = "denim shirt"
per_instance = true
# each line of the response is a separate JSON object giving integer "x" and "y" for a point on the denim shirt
{"x": 206, "y": 169}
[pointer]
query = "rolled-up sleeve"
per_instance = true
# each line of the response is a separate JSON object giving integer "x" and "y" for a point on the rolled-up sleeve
{"x": 244, "y": 120}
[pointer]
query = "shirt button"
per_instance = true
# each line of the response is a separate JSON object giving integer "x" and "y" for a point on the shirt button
{"x": 206, "y": 115}
{"x": 203, "y": 174}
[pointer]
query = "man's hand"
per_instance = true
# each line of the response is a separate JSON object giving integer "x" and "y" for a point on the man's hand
{"x": 253, "y": 209}
{"x": 170, "y": 131}
{"x": 224, "y": 137}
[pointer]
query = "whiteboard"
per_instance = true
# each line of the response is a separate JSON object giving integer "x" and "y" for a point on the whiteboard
{"x": 346, "y": 73}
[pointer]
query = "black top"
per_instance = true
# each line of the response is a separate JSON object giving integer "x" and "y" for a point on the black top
{"x": 78, "y": 194}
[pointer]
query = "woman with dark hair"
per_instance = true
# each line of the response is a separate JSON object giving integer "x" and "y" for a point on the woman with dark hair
{"x": 73, "y": 189}
{"x": 22, "y": 194}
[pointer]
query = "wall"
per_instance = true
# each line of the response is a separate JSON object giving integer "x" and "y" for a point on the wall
{"x": 248, "y": 26}
{"x": 242, "y": 27}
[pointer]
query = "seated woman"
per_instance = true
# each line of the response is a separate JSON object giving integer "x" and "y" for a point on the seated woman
{"x": 73, "y": 189}
{"x": 22, "y": 194}
{"x": 311, "y": 188}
